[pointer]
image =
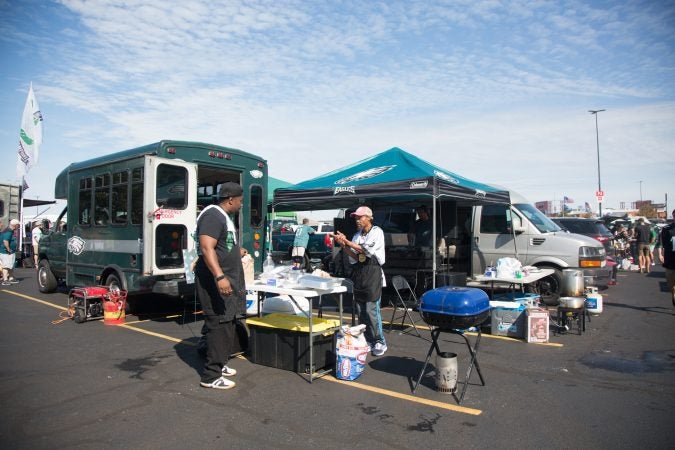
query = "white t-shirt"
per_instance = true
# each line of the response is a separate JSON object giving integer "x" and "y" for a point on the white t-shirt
{"x": 373, "y": 246}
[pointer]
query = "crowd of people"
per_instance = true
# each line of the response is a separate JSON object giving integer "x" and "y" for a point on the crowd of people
{"x": 640, "y": 243}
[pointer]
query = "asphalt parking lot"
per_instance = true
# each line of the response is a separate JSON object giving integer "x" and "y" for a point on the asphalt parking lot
{"x": 92, "y": 385}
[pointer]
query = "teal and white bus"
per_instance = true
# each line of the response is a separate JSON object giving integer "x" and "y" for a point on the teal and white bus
{"x": 130, "y": 215}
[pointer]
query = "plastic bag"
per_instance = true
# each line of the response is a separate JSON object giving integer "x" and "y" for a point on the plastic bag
{"x": 507, "y": 267}
{"x": 351, "y": 352}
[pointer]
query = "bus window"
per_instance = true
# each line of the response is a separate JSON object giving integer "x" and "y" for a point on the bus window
{"x": 256, "y": 206}
{"x": 171, "y": 186}
{"x": 170, "y": 241}
{"x": 85, "y": 197}
{"x": 102, "y": 200}
{"x": 120, "y": 187}
{"x": 137, "y": 196}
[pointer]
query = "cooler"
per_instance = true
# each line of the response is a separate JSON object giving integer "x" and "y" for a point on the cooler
{"x": 508, "y": 321}
{"x": 282, "y": 341}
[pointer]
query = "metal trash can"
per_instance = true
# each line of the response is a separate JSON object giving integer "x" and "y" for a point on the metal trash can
{"x": 446, "y": 372}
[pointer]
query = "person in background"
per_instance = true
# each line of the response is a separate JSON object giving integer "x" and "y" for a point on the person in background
{"x": 653, "y": 240}
{"x": 366, "y": 256}
{"x": 643, "y": 236}
{"x": 655, "y": 247}
{"x": 219, "y": 284}
{"x": 2, "y": 272}
{"x": 668, "y": 244}
{"x": 423, "y": 228}
{"x": 300, "y": 243}
{"x": 8, "y": 252}
{"x": 36, "y": 234}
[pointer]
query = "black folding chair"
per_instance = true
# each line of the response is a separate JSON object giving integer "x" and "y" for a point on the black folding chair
{"x": 404, "y": 301}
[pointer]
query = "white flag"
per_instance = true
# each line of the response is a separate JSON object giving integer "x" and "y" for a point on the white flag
{"x": 30, "y": 137}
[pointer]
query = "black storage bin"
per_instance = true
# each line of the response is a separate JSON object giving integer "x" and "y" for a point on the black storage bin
{"x": 272, "y": 344}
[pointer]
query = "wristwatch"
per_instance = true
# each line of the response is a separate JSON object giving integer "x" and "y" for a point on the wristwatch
{"x": 218, "y": 278}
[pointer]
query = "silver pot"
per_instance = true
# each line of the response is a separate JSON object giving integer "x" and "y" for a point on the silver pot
{"x": 572, "y": 302}
{"x": 572, "y": 283}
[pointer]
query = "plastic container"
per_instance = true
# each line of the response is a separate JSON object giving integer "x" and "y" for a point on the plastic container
{"x": 282, "y": 341}
{"x": 268, "y": 264}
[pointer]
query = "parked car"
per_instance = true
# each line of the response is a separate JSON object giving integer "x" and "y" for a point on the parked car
{"x": 594, "y": 228}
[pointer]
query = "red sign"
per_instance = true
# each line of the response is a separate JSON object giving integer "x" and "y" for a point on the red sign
{"x": 599, "y": 195}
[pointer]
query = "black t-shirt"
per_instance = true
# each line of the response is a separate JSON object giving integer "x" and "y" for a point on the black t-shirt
{"x": 642, "y": 234}
{"x": 212, "y": 223}
{"x": 667, "y": 240}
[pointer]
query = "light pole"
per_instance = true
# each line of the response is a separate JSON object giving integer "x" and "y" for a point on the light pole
{"x": 597, "y": 143}
{"x": 640, "y": 192}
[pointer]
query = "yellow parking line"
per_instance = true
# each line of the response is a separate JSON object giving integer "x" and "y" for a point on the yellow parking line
{"x": 28, "y": 297}
{"x": 365, "y": 387}
{"x": 407, "y": 397}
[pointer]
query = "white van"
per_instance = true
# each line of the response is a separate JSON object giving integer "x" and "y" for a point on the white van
{"x": 521, "y": 230}
{"x": 476, "y": 237}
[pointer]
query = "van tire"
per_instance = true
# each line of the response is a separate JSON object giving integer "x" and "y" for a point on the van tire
{"x": 47, "y": 282}
{"x": 549, "y": 287}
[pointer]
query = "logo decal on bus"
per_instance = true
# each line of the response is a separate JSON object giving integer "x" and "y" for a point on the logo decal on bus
{"x": 76, "y": 245}
{"x": 256, "y": 174}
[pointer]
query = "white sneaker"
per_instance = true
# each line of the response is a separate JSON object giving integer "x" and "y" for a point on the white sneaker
{"x": 218, "y": 383}
{"x": 379, "y": 349}
{"x": 229, "y": 372}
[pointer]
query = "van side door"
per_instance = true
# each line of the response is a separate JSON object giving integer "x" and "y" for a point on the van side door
{"x": 169, "y": 214}
{"x": 492, "y": 237}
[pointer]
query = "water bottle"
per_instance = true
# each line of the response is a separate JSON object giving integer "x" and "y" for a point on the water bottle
{"x": 268, "y": 264}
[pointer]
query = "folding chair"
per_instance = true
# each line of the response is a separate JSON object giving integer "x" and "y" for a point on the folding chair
{"x": 403, "y": 301}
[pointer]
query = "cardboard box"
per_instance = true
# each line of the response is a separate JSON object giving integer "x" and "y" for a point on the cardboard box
{"x": 282, "y": 341}
{"x": 508, "y": 322}
{"x": 537, "y": 325}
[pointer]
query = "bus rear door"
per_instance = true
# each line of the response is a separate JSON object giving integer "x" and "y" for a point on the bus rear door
{"x": 170, "y": 212}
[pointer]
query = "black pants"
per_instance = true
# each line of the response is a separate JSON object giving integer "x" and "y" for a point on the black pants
{"x": 220, "y": 335}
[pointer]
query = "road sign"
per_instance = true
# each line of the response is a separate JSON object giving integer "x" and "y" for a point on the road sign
{"x": 599, "y": 195}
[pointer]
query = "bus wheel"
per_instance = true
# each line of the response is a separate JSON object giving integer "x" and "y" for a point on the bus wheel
{"x": 113, "y": 282}
{"x": 45, "y": 277}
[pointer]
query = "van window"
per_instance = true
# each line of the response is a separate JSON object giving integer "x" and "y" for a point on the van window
{"x": 84, "y": 201}
{"x": 171, "y": 186}
{"x": 171, "y": 241}
{"x": 102, "y": 200}
{"x": 537, "y": 218}
{"x": 137, "y": 195}
{"x": 120, "y": 198}
{"x": 493, "y": 219}
{"x": 256, "y": 206}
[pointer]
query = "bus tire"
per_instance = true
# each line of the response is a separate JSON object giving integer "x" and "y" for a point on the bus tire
{"x": 47, "y": 282}
{"x": 112, "y": 281}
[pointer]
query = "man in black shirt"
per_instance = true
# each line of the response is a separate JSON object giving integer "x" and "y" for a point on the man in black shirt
{"x": 668, "y": 243}
{"x": 643, "y": 236}
{"x": 220, "y": 284}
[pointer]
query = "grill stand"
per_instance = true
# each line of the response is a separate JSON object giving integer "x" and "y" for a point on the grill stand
{"x": 435, "y": 333}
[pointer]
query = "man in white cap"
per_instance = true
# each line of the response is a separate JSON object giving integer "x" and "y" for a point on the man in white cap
{"x": 366, "y": 255}
{"x": 8, "y": 252}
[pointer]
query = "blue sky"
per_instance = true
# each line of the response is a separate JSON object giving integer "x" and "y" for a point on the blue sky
{"x": 496, "y": 91}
